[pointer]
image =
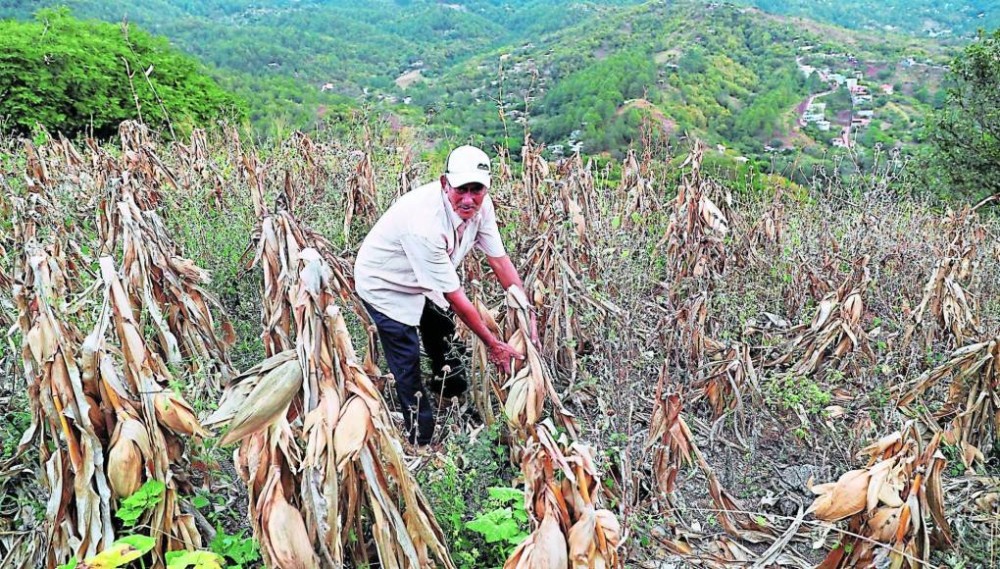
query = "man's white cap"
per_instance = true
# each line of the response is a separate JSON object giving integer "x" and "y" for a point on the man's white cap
{"x": 467, "y": 164}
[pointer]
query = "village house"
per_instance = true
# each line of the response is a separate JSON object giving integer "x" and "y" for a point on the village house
{"x": 814, "y": 112}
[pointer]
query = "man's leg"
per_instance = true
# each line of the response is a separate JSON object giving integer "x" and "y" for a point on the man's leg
{"x": 437, "y": 330}
{"x": 402, "y": 354}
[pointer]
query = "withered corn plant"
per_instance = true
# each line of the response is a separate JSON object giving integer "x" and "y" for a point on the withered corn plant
{"x": 970, "y": 409}
{"x": 361, "y": 200}
{"x": 560, "y": 262}
{"x": 673, "y": 447}
{"x": 65, "y": 413}
{"x": 170, "y": 288}
{"x": 636, "y": 194}
{"x": 562, "y": 486}
{"x": 534, "y": 177}
{"x": 320, "y": 454}
{"x": 197, "y": 167}
{"x": 894, "y": 505}
{"x": 103, "y": 409}
{"x": 836, "y": 329}
{"x": 947, "y": 306}
{"x": 694, "y": 239}
{"x": 759, "y": 242}
{"x": 562, "y": 489}
{"x": 148, "y": 421}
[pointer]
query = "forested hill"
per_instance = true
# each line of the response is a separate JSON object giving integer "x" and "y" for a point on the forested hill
{"x": 584, "y": 73}
{"x": 928, "y": 18}
{"x": 295, "y": 61}
{"x": 730, "y": 75}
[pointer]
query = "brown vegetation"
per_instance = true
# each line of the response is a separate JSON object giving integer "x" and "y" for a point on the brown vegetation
{"x": 705, "y": 350}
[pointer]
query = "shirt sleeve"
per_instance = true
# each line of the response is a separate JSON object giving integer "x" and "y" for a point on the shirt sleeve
{"x": 488, "y": 239}
{"x": 430, "y": 262}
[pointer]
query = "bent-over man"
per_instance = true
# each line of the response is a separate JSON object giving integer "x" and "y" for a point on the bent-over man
{"x": 406, "y": 274}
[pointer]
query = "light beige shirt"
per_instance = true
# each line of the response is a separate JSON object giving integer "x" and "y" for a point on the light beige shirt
{"x": 412, "y": 252}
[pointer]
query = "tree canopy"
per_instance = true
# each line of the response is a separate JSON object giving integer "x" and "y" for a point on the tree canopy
{"x": 966, "y": 131}
{"x": 78, "y": 76}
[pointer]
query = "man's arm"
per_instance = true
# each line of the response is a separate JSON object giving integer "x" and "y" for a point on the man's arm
{"x": 504, "y": 269}
{"x": 499, "y": 352}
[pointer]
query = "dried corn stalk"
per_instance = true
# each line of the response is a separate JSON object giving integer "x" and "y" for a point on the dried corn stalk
{"x": 835, "y": 330}
{"x": 150, "y": 421}
{"x": 727, "y": 374}
{"x": 63, "y": 413}
{"x": 504, "y": 173}
{"x": 320, "y": 454}
{"x": 685, "y": 333}
{"x": 279, "y": 238}
{"x": 198, "y": 167}
{"x": 951, "y": 309}
{"x": 560, "y": 297}
{"x": 172, "y": 290}
{"x": 560, "y": 261}
{"x": 361, "y": 192}
{"x": 895, "y": 505}
{"x": 561, "y": 481}
{"x": 635, "y": 192}
{"x": 674, "y": 447}
{"x": 758, "y": 242}
{"x": 561, "y": 493}
{"x": 534, "y": 175}
{"x": 971, "y": 407}
{"x": 531, "y": 380}
{"x": 697, "y": 227}
{"x": 114, "y": 430}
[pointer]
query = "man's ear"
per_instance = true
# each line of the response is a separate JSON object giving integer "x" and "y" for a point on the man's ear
{"x": 444, "y": 182}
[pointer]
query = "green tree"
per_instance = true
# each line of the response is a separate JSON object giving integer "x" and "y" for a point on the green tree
{"x": 73, "y": 76}
{"x": 965, "y": 132}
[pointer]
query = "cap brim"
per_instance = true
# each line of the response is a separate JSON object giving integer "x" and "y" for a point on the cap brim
{"x": 457, "y": 179}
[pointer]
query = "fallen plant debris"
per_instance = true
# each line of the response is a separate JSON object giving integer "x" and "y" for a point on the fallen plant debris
{"x": 894, "y": 506}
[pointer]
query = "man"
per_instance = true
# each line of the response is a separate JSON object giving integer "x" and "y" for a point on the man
{"x": 406, "y": 274}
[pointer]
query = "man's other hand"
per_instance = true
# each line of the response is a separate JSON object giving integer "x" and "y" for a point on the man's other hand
{"x": 501, "y": 354}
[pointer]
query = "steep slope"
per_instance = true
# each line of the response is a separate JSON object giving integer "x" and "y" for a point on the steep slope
{"x": 733, "y": 75}
{"x": 928, "y": 18}
{"x": 585, "y": 72}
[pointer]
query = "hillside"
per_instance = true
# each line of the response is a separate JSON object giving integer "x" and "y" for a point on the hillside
{"x": 732, "y": 76}
{"x": 926, "y": 18}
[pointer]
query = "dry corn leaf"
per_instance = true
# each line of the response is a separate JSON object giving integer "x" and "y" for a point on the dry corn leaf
{"x": 353, "y": 429}
{"x": 267, "y": 402}
{"x": 844, "y": 498}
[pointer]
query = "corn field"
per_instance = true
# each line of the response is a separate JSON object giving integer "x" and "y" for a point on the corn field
{"x": 755, "y": 375}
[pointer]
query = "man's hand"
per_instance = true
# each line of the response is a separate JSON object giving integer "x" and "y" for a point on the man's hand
{"x": 500, "y": 355}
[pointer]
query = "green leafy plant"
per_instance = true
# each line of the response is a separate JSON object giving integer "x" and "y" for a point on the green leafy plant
{"x": 239, "y": 550}
{"x": 146, "y": 497}
{"x": 506, "y": 522}
{"x": 503, "y": 522}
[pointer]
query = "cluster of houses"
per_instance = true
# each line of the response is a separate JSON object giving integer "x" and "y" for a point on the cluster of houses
{"x": 861, "y": 103}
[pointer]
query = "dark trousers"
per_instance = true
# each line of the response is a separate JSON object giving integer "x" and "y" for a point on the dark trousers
{"x": 401, "y": 345}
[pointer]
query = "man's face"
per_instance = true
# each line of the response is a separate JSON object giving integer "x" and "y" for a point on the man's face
{"x": 465, "y": 200}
